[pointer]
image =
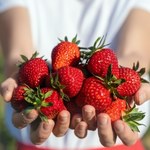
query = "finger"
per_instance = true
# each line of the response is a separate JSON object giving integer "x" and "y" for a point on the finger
{"x": 7, "y": 87}
{"x": 143, "y": 93}
{"x": 75, "y": 120}
{"x": 89, "y": 116}
{"x": 81, "y": 129}
{"x": 105, "y": 131}
{"x": 41, "y": 130}
{"x": 22, "y": 119}
{"x": 125, "y": 133}
{"x": 62, "y": 123}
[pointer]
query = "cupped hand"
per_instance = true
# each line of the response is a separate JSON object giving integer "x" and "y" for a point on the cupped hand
{"x": 40, "y": 130}
{"x": 108, "y": 131}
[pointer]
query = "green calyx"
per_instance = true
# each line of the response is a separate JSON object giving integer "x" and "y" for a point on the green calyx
{"x": 37, "y": 98}
{"x": 40, "y": 102}
{"x": 139, "y": 71}
{"x": 54, "y": 82}
{"x": 132, "y": 118}
{"x": 29, "y": 94}
{"x": 87, "y": 52}
{"x": 25, "y": 59}
{"x": 41, "y": 97}
{"x": 74, "y": 40}
{"x": 111, "y": 82}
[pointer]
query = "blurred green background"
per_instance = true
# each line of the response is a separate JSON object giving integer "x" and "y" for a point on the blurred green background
{"x": 8, "y": 143}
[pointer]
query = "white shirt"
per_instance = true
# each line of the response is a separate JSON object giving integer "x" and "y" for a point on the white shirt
{"x": 89, "y": 19}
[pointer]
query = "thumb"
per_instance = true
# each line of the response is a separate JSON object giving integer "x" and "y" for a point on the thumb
{"x": 143, "y": 94}
{"x": 7, "y": 87}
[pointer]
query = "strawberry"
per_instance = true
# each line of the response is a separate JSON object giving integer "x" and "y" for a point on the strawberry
{"x": 119, "y": 109}
{"x": 65, "y": 54}
{"x": 115, "y": 109}
{"x": 71, "y": 79}
{"x": 72, "y": 107}
{"x": 95, "y": 94}
{"x": 33, "y": 71}
{"x": 99, "y": 62}
{"x": 132, "y": 82}
{"x": 98, "y": 58}
{"x": 18, "y": 100}
{"x": 48, "y": 103}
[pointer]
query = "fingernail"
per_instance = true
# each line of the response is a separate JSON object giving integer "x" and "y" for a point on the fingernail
{"x": 103, "y": 120}
{"x": 87, "y": 112}
{"x": 46, "y": 126}
{"x": 63, "y": 119}
{"x": 119, "y": 127}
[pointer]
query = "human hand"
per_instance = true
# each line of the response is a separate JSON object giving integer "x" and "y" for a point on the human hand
{"x": 106, "y": 130}
{"x": 40, "y": 130}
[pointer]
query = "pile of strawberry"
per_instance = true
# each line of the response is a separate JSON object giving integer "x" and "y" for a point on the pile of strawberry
{"x": 79, "y": 76}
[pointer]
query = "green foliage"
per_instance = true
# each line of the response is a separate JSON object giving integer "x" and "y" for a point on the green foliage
{"x": 6, "y": 141}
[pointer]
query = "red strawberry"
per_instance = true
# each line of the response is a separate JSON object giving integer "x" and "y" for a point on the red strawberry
{"x": 115, "y": 109}
{"x": 132, "y": 82}
{"x": 65, "y": 54}
{"x": 100, "y": 61}
{"x": 33, "y": 72}
{"x": 119, "y": 109}
{"x": 18, "y": 101}
{"x": 72, "y": 107}
{"x": 95, "y": 94}
{"x": 71, "y": 79}
{"x": 51, "y": 103}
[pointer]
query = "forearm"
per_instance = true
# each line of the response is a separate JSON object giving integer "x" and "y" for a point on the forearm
{"x": 134, "y": 44}
{"x": 15, "y": 36}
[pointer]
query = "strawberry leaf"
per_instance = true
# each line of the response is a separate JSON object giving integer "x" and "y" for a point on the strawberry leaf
{"x": 74, "y": 40}
{"x": 24, "y": 58}
{"x": 132, "y": 118}
{"x": 48, "y": 94}
{"x": 35, "y": 55}
{"x": 27, "y": 99}
{"x": 66, "y": 38}
{"x": 144, "y": 81}
{"x": 43, "y": 117}
{"x": 133, "y": 126}
{"x": 141, "y": 71}
{"x": 46, "y": 104}
{"x": 136, "y": 66}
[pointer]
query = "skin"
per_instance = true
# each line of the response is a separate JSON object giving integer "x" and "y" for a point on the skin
{"x": 15, "y": 24}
